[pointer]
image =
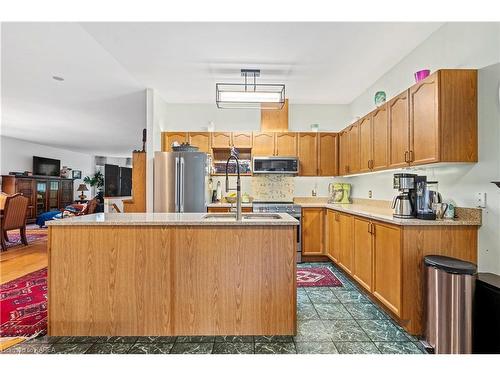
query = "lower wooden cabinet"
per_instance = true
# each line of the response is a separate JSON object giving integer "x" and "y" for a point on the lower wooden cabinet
{"x": 312, "y": 227}
{"x": 387, "y": 266}
{"x": 362, "y": 269}
{"x": 345, "y": 241}
{"x": 332, "y": 234}
{"x": 227, "y": 209}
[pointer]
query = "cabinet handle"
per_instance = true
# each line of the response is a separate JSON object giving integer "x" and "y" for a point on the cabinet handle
{"x": 373, "y": 229}
{"x": 369, "y": 227}
{"x": 406, "y": 156}
{"x": 410, "y": 156}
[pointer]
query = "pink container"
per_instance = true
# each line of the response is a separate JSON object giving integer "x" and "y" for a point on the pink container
{"x": 422, "y": 74}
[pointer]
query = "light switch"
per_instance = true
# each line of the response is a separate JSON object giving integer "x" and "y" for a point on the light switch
{"x": 481, "y": 200}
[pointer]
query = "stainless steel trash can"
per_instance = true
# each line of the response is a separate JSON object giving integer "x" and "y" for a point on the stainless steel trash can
{"x": 450, "y": 287}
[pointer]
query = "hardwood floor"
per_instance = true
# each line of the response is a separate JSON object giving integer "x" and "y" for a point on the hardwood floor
{"x": 22, "y": 260}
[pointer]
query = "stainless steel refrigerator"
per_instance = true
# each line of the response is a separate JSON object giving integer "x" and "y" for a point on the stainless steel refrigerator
{"x": 180, "y": 182}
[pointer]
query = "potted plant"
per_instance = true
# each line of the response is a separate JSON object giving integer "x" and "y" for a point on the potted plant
{"x": 97, "y": 181}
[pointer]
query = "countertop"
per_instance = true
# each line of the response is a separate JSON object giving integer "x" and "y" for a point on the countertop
{"x": 379, "y": 210}
{"x": 168, "y": 219}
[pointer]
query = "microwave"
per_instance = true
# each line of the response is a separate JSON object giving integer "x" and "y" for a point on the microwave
{"x": 275, "y": 164}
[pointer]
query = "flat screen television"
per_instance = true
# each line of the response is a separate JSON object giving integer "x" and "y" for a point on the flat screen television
{"x": 46, "y": 166}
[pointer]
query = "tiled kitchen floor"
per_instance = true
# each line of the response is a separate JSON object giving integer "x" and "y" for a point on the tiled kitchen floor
{"x": 330, "y": 321}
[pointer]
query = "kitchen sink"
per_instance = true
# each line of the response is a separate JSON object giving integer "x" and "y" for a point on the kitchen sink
{"x": 246, "y": 216}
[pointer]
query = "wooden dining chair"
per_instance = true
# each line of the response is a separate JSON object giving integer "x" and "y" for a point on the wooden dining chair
{"x": 14, "y": 217}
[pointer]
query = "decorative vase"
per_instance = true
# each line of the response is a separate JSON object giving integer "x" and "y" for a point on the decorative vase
{"x": 380, "y": 98}
{"x": 422, "y": 74}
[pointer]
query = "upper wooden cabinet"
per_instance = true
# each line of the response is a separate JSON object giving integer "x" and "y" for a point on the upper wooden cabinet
{"x": 312, "y": 228}
{"x": 399, "y": 136}
{"x": 221, "y": 140}
{"x": 344, "y": 151}
{"x": 170, "y": 137}
{"x": 328, "y": 154}
{"x": 354, "y": 163}
{"x": 365, "y": 143}
{"x": 272, "y": 120}
{"x": 285, "y": 144}
{"x": 380, "y": 138}
{"x": 242, "y": 140}
{"x": 263, "y": 144}
{"x": 308, "y": 153}
{"x": 200, "y": 140}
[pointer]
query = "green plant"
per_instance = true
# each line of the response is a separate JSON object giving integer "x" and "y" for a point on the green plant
{"x": 96, "y": 180}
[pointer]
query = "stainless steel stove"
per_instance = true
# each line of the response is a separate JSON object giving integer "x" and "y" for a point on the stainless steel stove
{"x": 288, "y": 207}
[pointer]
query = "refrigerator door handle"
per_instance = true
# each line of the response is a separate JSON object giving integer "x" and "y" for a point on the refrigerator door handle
{"x": 181, "y": 186}
{"x": 176, "y": 184}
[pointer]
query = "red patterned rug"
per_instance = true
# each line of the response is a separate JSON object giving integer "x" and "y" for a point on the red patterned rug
{"x": 23, "y": 305}
{"x": 316, "y": 276}
{"x": 31, "y": 235}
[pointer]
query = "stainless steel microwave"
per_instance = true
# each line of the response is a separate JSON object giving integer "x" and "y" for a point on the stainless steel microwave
{"x": 275, "y": 164}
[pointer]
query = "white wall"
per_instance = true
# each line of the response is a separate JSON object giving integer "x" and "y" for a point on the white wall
{"x": 455, "y": 45}
{"x": 17, "y": 156}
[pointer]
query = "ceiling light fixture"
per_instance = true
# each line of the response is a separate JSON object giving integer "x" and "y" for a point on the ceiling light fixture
{"x": 250, "y": 95}
{"x": 57, "y": 78}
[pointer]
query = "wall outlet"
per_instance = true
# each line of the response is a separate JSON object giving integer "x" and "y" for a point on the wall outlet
{"x": 369, "y": 193}
{"x": 481, "y": 200}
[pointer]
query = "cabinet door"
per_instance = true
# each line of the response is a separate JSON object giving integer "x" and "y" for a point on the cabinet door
{"x": 171, "y": 137}
{"x": 380, "y": 146}
{"x": 332, "y": 246}
{"x": 363, "y": 255}
{"x": 354, "y": 164}
{"x": 345, "y": 242}
{"x": 312, "y": 227}
{"x": 365, "y": 144}
{"x": 53, "y": 196}
{"x": 41, "y": 196}
{"x": 328, "y": 154}
{"x": 242, "y": 140}
{"x": 201, "y": 140}
{"x": 344, "y": 153}
{"x": 424, "y": 121}
{"x": 221, "y": 140}
{"x": 399, "y": 131}
{"x": 263, "y": 144}
{"x": 286, "y": 144}
{"x": 66, "y": 193}
{"x": 387, "y": 266}
{"x": 25, "y": 187}
{"x": 308, "y": 154}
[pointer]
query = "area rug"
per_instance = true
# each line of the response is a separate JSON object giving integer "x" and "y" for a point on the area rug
{"x": 31, "y": 235}
{"x": 316, "y": 276}
{"x": 23, "y": 305}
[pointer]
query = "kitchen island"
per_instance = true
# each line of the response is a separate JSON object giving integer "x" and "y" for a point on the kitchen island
{"x": 172, "y": 274}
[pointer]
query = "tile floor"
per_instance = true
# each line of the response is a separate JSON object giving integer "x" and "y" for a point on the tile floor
{"x": 330, "y": 321}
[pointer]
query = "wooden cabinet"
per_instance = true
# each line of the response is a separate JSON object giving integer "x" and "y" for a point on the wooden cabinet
{"x": 242, "y": 140}
{"x": 272, "y": 120}
{"x": 380, "y": 137}
{"x": 221, "y": 140}
{"x": 263, "y": 144}
{"x": 312, "y": 227}
{"x": 286, "y": 144}
{"x": 138, "y": 201}
{"x": 344, "y": 152}
{"x": 362, "y": 270}
{"x": 365, "y": 143}
{"x": 387, "y": 258}
{"x": 227, "y": 209}
{"x": 44, "y": 193}
{"x": 399, "y": 137}
{"x": 332, "y": 235}
{"x": 170, "y": 137}
{"x": 200, "y": 140}
{"x": 328, "y": 154}
{"x": 308, "y": 154}
{"x": 345, "y": 242}
{"x": 354, "y": 163}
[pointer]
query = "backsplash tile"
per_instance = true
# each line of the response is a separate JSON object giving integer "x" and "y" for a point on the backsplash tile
{"x": 273, "y": 188}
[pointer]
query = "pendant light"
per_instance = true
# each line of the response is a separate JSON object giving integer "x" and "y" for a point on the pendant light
{"x": 250, "y": 94}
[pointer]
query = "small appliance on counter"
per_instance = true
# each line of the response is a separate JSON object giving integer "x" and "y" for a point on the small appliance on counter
{"x": 403, "y": 204}
{"x": 427, "y": 197}
{"x": 339, "y": 193}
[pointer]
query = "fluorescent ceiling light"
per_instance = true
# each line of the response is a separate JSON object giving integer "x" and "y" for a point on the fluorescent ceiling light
{"x": 252, "y": 96}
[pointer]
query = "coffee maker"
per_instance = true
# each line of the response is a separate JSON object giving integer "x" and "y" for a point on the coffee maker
{"x": 427, "y": 195}
{"x": 403, "y": 204}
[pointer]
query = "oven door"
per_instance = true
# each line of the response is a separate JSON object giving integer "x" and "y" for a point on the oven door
{"x": 275, "y": 164}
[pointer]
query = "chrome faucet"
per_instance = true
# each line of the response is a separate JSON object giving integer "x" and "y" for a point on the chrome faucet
{"x": 238, "y": 182}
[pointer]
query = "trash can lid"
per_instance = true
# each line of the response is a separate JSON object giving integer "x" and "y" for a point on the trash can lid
{"x": 450, "y": 265}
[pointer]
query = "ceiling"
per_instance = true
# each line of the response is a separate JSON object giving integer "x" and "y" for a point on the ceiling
{"x": 100, "y": 106}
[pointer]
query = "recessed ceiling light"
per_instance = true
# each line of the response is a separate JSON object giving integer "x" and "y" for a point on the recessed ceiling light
{"x": 57, "y": 78}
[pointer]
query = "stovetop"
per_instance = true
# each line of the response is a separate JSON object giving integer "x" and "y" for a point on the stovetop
{"x": 288, "y": 207}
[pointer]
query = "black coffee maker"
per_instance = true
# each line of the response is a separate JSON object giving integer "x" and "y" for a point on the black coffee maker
{"x": 426, "y": 196}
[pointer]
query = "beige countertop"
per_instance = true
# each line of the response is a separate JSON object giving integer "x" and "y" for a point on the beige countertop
{"x": 381, "y": 210}
{"x": 170, "y": 219}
